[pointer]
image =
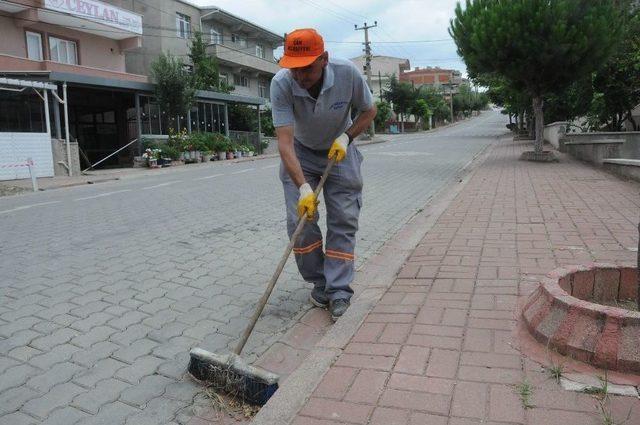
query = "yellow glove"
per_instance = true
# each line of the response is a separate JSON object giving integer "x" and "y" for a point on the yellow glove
{"x": 339, "y": 147}
{"x": 307, "y": 202}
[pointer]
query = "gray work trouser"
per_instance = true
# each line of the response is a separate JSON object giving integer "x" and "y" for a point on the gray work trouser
{"x": 334, "y": 268}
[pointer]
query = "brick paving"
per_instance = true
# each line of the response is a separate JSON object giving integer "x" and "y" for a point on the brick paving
{"x": 440, "y": 346}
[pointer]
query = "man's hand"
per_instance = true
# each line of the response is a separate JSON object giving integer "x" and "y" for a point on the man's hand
{"x": 339, "y": 147}
{"x": 307, "y": 202}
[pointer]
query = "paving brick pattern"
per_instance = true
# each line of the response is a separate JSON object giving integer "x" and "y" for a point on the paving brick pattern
{"x": 438, "y": 348}
{"x": 104, "y": 288}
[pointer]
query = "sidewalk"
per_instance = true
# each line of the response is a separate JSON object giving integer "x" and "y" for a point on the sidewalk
{"x": 12, "y": 187}
{"x": 439, "y": 344}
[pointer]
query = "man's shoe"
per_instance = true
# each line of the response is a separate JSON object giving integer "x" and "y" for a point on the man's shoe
{"x": 338, "y": 307}
{"x": 318, "y": 298}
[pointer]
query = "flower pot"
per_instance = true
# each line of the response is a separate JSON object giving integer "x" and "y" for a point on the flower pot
{"x": 229, "y": 155}
{"x": 222, "y": 155}
{"x": 250, "y": 153}
{"x": 206, "y": 157}
{"x": 237, "y": 154}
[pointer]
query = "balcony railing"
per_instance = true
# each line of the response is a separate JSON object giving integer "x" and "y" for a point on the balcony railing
{"x": 14, "y": 63}
{"x": 241, "y": 58}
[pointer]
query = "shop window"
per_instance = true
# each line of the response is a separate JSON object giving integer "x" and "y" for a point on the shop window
{"x": 21, "y": 113}
{"x": 34, "y": 46}
{"x": 63, "y": 51}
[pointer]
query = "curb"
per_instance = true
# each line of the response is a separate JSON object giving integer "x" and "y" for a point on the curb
{"x": 127, "y": 176}
{"x": 371, "y": 283}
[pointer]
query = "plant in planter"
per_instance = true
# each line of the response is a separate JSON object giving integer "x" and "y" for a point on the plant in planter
{"x": 153, "y": 157}
{"x": 237, "y": 150}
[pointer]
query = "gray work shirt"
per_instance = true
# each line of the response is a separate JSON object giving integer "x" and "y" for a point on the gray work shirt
{"x": 318, "y": 122}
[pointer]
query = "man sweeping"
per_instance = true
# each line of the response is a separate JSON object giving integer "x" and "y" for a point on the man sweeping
{"x": 312, "y": 99}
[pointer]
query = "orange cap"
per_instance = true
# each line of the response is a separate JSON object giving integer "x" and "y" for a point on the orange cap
{"x": 301, "y": 48}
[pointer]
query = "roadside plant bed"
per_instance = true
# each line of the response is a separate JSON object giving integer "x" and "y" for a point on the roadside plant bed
{"x": 577, "y": 311}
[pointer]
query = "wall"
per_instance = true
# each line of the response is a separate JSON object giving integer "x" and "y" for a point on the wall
{"x": 93, "y": 51}
{"x": 595, "y": 147}
{"x": 59, "y": 150}
{"x": 554, "y": 131}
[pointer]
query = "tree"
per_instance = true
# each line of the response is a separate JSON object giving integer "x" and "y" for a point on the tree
{"x": 402, "y": 95}
{"x": 422, "y": 111}
{"x": 537, "y": 46}
{"x": 173, "y": 90}
{"x": 435, "y": 101}
{"x": 206, "y": 75}
{"x": 383, "y": 115}
{"x": 617, "y": 85}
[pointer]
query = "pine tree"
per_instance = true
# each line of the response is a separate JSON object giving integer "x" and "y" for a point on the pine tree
{"x": 538, "y": 46}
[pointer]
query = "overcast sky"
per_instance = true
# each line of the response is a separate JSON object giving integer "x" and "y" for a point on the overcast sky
{"x": 400, "y": 20}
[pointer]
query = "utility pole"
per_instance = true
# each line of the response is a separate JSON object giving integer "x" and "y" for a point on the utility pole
{"x": 451, "y": 100}
{"x": 367, "y": 66}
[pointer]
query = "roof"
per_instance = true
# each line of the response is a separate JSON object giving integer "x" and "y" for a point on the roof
{"x": 210, "y": 9}
{"x": 101, "y": 83}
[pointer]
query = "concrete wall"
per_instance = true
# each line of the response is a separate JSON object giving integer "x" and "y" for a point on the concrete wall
{"x": 93, "y": 51}
{"x": 629, "y": 148}
{"x": 554, "y": 132}
{"x": 59, "y": 150}
{"x": 628, "y": 168}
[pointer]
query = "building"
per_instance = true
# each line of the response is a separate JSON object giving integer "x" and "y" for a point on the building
{"x": 435, "y": 77}
{"x": 77, "y": 52}
{"x": 382, "y": 68}
{"x": 244, "y": 50}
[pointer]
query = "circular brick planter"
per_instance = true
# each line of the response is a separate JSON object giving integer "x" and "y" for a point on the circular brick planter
{"x": 558, "y": 315}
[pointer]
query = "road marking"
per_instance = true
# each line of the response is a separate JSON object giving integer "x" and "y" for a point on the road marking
{"x": 270, "y": 166}
{"x": 25, "y": 207}
{"x": 403, "y": 153}
{"x": 161, "y": 184}
{"x": 208, "y": 177}
{"x": 102, "y": 195}
{"x": 242, "y": 171}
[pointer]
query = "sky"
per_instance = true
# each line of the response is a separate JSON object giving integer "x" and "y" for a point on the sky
{"x": 412, "y": 29}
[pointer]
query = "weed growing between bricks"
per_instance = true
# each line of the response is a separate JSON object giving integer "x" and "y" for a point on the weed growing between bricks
{"x": 607, "y": 415}
{"x": 525, "y": 391}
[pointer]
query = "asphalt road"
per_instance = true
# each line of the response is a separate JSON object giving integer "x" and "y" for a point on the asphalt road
{"x": 104, "y": 288}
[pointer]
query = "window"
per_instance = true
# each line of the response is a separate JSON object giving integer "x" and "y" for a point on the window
{"x": 34, "y": 46}
{"x": 263, "y": 89}
{"x": 216, "y": 37}
{"x": 260, "y": 51}
{"x": 224, "y": 78}
{"x": 183, "y": 25}
{"x": 240, "y": 80}
{"x": 63, "y": 51}
{"x": 235, "y": 38}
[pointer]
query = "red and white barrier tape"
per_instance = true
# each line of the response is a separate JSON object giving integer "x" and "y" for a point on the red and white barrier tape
{"x": 24, "y": 164}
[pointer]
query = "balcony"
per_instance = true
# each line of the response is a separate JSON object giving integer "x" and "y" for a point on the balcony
{"x": 10, "y": 63}
{"x": 240, "y": 59}
{"x": 90, "y": 16}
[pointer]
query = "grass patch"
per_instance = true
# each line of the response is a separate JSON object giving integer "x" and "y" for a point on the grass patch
{"x": 525, "y": 391}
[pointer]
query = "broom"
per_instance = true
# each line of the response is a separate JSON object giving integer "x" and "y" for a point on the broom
{"x": 228, "y": 372}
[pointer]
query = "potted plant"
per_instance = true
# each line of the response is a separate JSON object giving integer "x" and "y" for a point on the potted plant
{"x": 237, "y": 152}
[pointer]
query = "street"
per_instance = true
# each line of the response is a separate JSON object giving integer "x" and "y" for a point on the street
{"x": 105, "y": 288}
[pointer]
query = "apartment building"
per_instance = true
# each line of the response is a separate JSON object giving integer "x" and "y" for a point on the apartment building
{"x": 382, "y": 68}
{"x": 435, "y": 77}
{"x": 77, "y": 52}
{"x": 243, "y": 49}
